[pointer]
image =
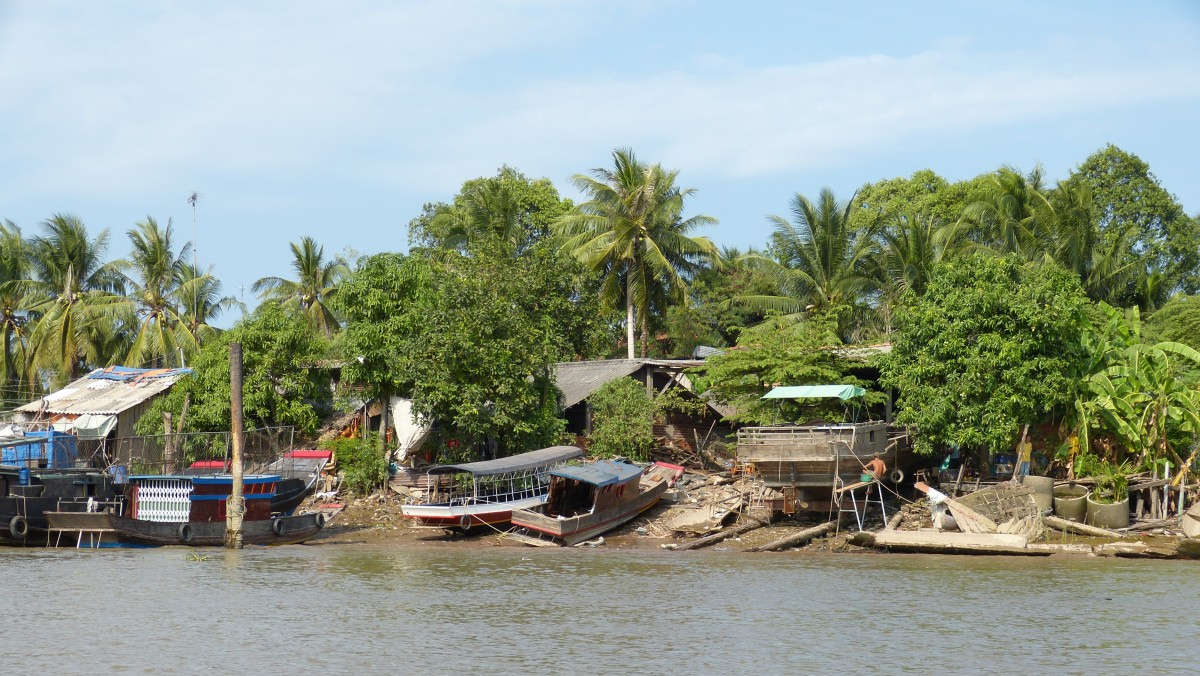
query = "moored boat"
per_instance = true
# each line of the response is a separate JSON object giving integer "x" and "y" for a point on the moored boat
{"x": 588, "y": 500}
{"x": 189, "y": 510}
{"x": 487, "y": 492}
{"x": 26, "y": 495}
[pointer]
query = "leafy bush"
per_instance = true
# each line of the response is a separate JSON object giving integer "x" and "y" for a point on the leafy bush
{"x": 622, "y": 420}
{"x": 362, "y": 466}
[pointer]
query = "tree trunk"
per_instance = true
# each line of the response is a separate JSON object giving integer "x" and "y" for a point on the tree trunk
{"x": 629, "y": 314}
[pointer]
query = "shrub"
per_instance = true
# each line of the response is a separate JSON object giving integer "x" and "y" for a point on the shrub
{"x": 622, "y": 420}
{"x": 362, "y": 466}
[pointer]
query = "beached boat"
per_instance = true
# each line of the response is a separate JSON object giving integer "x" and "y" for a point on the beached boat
{"x": 27, "y": 494}
{"x": 588, "y": 500}
{"x": 806, "y": 463}
{"x": 486, "y": 492}
{"x": 187, "y": 510}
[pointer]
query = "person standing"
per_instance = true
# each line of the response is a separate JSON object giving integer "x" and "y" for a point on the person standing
{"x": 1024, "y": 452}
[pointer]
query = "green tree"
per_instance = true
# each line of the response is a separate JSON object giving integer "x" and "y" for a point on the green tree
{"x": 16, "y": 378}
{"x": 881, "y": 204}
{"x": 198, "y": 295}
{"x": 990, "y": 346}
{"x": 778, "y": 352}
{"x": 152, "y": 274}
{"x": 508, "y": 206}
{"x": 819, "y": 262}
{"x": 75, "y": 298}
{"x": 316, "y": 284}
{"x": 1014, "y": 216}
{"x": 631, "y": 232}
{"x": 1178, "y": 321}
{"x": 622, "y": 420}
{"x": 1129, "y": 197}
{"x": 281, "y": 383}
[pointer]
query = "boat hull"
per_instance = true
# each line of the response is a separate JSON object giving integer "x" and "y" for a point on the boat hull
{"x": 464, "y": 517}
{"x": 576, "y": 529}
{"x": 281, "y": 530}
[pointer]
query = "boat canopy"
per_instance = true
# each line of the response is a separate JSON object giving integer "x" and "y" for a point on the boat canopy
{"x": 513, "y": 463}
{"x": 842, "y": 392}
{"x": 600, "y": 473}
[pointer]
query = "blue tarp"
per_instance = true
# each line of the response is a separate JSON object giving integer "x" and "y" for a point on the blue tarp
{"x": 600, "y": 473}
{"x": 842, "y": 392}
{"x": 128, "y": 373}
{"x": 56, "y": 449}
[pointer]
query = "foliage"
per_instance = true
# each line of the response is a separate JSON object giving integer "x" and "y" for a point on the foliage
{"x": 622, "y": 420}
{"x": 1177, "y": 321}
{"x": 281, "y": 385}
{"x": 509, "y": 206}
{"x": 989, "y": 347}
{"x": 708, "y": 317}
{"x": 779, "y": 351}
{"x": 881, "y": 203}
{"x": 631, "y": 232}
{"x": 316, "y": 284}
{"x": 1112, "y": 479}
{"x": 1164, "y": 239}
{"x": 362, "y": 467}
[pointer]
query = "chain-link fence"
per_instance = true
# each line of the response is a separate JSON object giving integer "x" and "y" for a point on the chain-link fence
{"x": 193, "y": 452}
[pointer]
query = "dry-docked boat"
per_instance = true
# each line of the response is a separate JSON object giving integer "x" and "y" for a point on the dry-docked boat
{"x": 187, "y": 510}
{"x": 588, "y": 500}
{"x": 486, "y": 492}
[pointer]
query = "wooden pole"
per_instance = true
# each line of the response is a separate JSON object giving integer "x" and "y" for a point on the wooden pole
{"x": 713, "y": 539}
{"x": 236, "y": 506}
{"x": 1081, "y": 529}
{"x": 796, "y": 539}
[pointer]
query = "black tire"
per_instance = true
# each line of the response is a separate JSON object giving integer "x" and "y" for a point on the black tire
{"x": 184, "y": 532}
{"x": 277, "y": 526}
{"x": 18, "y": 527}
{"x": 321, "y": 519}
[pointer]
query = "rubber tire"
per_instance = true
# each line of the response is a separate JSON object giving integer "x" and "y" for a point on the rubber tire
{"x": 184, "y": 532}
{"x": 277, "y": 526}
{"x": 896, "y": 476}
{"x": 321, "y": 519}
{"x": 18, "y": 528}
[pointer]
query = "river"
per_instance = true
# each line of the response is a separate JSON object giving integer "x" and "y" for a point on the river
{"x": 366, "y": 609}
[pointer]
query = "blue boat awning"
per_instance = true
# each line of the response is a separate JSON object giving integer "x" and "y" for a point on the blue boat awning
{"x": 842, "y": 392}
{"x": 600, "y": 473}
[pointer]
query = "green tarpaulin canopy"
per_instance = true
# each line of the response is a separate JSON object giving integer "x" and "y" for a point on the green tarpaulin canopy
{"x": 842, "y": 392}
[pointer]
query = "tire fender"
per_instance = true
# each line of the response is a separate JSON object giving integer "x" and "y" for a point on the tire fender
{"x": 185, "y": 532}
{"x": 896, "y": 476}
{"x": 277, "y": 526}
{"x": 18, "y": 527}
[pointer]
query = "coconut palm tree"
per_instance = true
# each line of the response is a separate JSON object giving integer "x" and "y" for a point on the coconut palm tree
{"x": 317, "y": 283}
{"x": 75, "y": 296}
{"x": 199, "y": 298}
{"x": 15, "y": 372}
{"x": 153, "y": 272}
{"x": 631, "y": 232}
{"x": 1015, "y": 216}
{"x": 821, "y": 263}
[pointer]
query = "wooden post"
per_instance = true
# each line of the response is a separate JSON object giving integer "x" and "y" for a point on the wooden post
{"x": 168, "y": 445}
{"x": 236, "y": 507}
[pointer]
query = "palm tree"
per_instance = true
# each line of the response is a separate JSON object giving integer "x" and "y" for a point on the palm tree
{"x": 74, "y": 296}
{"x": 910, "y": 247}
{"x": 821, "y": 263}
{"x": 1077, "y": 244}
{"x": 1015, "y": 215}
{"x": 317, "y": 283}
{"x": 199, "y": 298}
{"x": 15, "y": 374}
{"x": 631, "y": 231}
{"x": 153, "y": 273}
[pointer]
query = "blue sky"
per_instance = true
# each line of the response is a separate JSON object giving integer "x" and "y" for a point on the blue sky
{"x": 339, "y": 120}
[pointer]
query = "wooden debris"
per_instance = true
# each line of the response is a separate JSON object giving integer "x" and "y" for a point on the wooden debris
{"x": 795, "y": 539}
{"x": 1134, "y": 550}
{"x": 1082, "y": 529}
{"x": 894, "y": 522}
{"x": 713, "y": 539}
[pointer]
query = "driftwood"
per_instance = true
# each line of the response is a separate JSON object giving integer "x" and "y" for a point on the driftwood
{"x": 1150, "y": 525}
{"x": 795, "y": 539}
{"x": 713, "y": 539}
{"x": 894, "y": 522}
{"x": 1081, "y": 529}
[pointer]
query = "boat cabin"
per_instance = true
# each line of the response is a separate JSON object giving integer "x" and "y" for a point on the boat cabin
{"x": 197, "y": 498}
{"x": 588, "y": 488}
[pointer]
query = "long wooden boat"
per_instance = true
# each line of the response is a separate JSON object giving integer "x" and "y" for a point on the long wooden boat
{"x": 189, "y": 510}
{"x": 589, "y": 500}
{"x": 487, "y": 492}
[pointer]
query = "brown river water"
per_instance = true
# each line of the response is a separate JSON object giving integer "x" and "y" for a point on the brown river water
{"x": 366, "y": 609}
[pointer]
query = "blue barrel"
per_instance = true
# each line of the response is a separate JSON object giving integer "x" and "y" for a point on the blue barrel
{"x": 23, "y": 476}
{"x": 120, "y": 473}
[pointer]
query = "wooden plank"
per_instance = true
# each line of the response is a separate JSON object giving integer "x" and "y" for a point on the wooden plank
{"x": 723, "y": 535}
{"x": 947, "y": 542}
{"x": 1082, "y": 529}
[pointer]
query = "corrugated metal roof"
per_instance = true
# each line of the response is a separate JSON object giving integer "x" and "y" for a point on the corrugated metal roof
{"x": 109, "y": 391}
{"x": 579, "y": 379}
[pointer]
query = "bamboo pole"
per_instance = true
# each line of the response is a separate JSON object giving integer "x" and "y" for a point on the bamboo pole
{"x": 796, "y": 538}
{"x": 1081, "y": 529}
{"x": 236, "y": 507}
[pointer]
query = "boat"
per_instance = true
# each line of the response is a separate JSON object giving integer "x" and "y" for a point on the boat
{"x": 26, "y": 494}
{"x": 298, "y": 470}
{"x": 187, "y": 510}
{"x": 588, "y": 500}
{"x": 806, "y": 463}
{"x": 480, "y": 493}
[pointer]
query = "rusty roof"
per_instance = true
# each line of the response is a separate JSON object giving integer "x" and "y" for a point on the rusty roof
{"x": 109, "y": 391}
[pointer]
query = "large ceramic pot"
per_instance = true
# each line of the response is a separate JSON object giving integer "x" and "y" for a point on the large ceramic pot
{"x": 1111, "y": 516}
{"x": 1043, "y": 491}
{"x": 1070, "y": 502}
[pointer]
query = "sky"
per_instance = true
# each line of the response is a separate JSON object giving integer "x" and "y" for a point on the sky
{"x": 339, "y": 120}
